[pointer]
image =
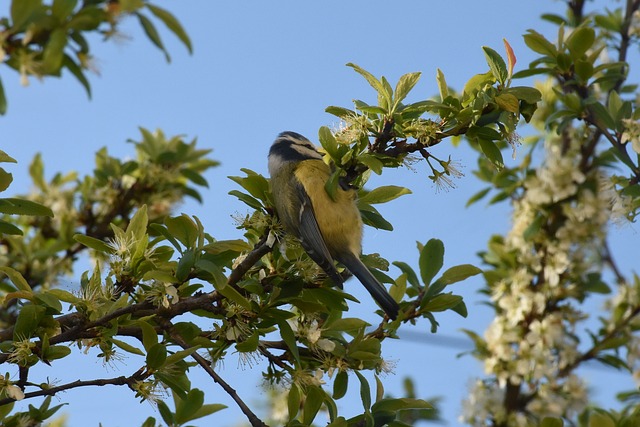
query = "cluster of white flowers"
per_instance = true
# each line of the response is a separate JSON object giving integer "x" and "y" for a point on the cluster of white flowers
{"x": 558, "y": 225}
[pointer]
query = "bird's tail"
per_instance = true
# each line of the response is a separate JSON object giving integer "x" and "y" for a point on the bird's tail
{"x": 375, "y": 288}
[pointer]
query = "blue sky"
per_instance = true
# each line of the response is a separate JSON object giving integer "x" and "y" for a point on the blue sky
{"x": 259, "y": 68}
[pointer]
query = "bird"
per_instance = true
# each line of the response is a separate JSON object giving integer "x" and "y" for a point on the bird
{"x": 328, "y": 228}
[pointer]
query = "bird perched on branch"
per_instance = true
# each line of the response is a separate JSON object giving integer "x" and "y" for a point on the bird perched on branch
{"x": 327, "y": 228}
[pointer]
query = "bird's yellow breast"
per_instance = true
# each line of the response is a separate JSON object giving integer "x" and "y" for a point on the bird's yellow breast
{"x": 339, "y": 221}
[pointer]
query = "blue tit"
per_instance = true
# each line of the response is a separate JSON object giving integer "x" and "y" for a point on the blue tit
{"x": 328, "y": 229}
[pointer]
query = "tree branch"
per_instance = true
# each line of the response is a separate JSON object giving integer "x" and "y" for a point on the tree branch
{"x": 139, "y": 375}
{"x": 206, "y": 365}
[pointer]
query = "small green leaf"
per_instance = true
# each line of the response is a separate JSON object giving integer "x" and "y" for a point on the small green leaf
{"x": 442, "y": 84}
{"x": 172, "y": 24}
{"x": 77, "y": 72}
{"x": 230, "y": 293}
{"x": 411, "y": 274}
{"x": 189, "y": 406}
{"x": 3, "y": 100}
{"x": 524, "y": 93}
{"x": 183, "y": 228}
{"x": 127, "y": 347}
{"x": 375, "y": 83}
{"x": 14, "y": 206}
{"x": 431, "y": 260}
{"x": 156, "y": 356}
{"x": 328, "y": 142}
{"x": 21, "y": 12}
{"x": 313, "y": 402}
{"x": 16, "y": 278}
{"x": 384, "y": 194}
{"x": 492, "y": 152}
{"x": 152, "y": 34}
{"x": 290, "y": 339}
{"x": 138, "y": 224}
{"x": 293, "y": 401}
{"x": 61, "y": 9}
{"x": 458, "y": 273}
{"x": 394, "y": 405}
{"x": 551, "y": 422}
{"x": 365, "y": 392}
{"x": 29, "y": 318}
{"x": 404, "y": 86}
{"x": 496, "y": 64}
{"x": 93, "y": 243}
{"x": 194, "y": 177}
{"x": 56, "y": 352}
{"x": 538, "y": 43}
{"x": 441, "y": 302}
{"x": 508, "y": 102}
{"x": 580, "y": 40}
{"x": 6, "y": 228}
{"x": 54, "y": 51}
{"x": 340, "y": 384}
{"x": 5, "y": 179}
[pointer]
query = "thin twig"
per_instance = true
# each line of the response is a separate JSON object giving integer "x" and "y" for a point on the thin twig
{"x": 206, "y": 365}
{"x": 121, "y": 380}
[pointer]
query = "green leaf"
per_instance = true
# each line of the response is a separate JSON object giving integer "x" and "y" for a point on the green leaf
{"x": 580, "y": 40}
{"x": 551, "y": 422}
{"x": 49, "y": 300}
{"x": 6, "y": 228}
{"x": 372, "y": 162}
{"x": 152, "y": 34}
{"x": 538, "y": 43}
{"x": 14, "y": 206}
{"x": 93, "y": 243}
{"x": 394, "y": 405}
{"x": 431, "y": 260}
{"x": 441, "y": 302}
{"x": 411, "y": 274}
{"x": 16, "y": 278}
{"x": 340, "y": 384}
{"x": 246, "y": 199}
{"x": 492, "y": 152}
{"x": 384, "y": 194}
{"x": 29, "y": 317}
{"x": 328, "y": 142}
{"x": 186, "y": 408}
{"x": 457, "y": 274}
{"x": 5, "y": 179}
{"x": 230, "y": 293}
{"x": 63, "y": 295}
{"x": 61, "y": 9}
{"x": 313, "y": 402}
{"x": 5, "y": 158}
{"x": 138, "y": 224}
{"x": 156, "y": 356}
{"x": 508, "y": 102}
{"x": 290, "y": 339}
{"x": 365, "y": 392}
{"x": 127, "y": 347}
{"x": 185, "y": 264}
{"x": 375, "y": 83}
{"x": 404, "y": 86}
{"x": 165, "y": 413}
{"x": 194, "y": 177}
{"x": 172, "y": 24}
{"x": 340, "y": 112}
{"x": 21, "y": 12}
{"x": 293, "y": 401}
{"x": 3, "y": 100}
{"x": 496, "y": 64}
{"x": 56, "y": 352}
{"x": 442, "y": 84}
{"x": 54, "y": 51}
{"x": 221, "y": 246}
{"x": 183, "y": 228}
{"x": 479, "y": 195}
{"x": 524, "y": 93}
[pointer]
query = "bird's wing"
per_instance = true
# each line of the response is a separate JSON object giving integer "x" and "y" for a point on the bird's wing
{"x": 312, "y": 240}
